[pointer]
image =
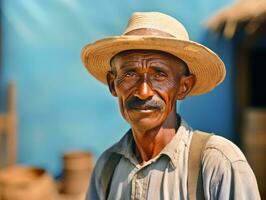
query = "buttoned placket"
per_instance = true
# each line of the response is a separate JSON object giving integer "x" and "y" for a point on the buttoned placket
{"x": 140, "y": 181}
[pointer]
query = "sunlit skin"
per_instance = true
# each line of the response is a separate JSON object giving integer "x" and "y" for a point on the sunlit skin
{"x": 147, "y": 84}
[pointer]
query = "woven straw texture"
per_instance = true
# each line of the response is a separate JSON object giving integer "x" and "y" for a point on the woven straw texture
{"x": 202, "y": 62}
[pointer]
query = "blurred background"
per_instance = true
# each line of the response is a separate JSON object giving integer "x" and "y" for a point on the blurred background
{"x": 50, "y": 106}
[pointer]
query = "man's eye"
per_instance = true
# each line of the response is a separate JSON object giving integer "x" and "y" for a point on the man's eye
{"x": 160, "y": 75}
{"x": 130, "y": 74}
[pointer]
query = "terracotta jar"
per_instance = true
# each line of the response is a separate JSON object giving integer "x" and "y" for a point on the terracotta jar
{"x": 26, "y": 183}
{"x": 78, "y": 167}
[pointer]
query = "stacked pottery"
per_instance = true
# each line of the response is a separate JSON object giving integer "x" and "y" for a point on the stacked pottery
{"x": 26, "y": 183}
{"x": 77, "y": 171}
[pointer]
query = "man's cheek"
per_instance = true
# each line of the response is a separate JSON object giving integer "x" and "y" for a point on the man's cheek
{"x": 122, "y": 107}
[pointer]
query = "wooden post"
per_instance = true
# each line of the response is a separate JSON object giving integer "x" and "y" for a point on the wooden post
{"x": 11, "y": 125}
{"x": 8, "y": 130}
{"x": 2, "y": 128}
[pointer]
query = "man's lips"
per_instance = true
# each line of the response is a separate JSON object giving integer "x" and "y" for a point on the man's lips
{"x": 146, "y": 109}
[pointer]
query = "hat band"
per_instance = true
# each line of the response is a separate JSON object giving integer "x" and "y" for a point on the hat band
{"x": 148, "y": 32}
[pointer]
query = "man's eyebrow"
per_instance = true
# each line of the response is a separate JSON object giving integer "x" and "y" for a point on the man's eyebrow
{"x": 154, "y": 64}
{"x": 128, "y": 64}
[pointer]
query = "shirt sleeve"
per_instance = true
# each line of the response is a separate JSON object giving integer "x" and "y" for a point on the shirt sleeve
{"x": 227, "y": 174}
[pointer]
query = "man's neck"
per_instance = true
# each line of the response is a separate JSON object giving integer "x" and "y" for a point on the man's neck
{"x": 149, "y": 143}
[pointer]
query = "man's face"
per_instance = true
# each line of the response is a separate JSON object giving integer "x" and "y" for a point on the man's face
{"x": 147, "y": 84}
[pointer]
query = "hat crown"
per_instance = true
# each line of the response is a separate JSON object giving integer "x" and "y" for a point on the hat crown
{"x": 157, "y": 31}
{"x": 158, "y": 21}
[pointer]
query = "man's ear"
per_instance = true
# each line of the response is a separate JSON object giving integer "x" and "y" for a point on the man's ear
{"x": 185, "y": 86}
{"x": 110, "y": 77}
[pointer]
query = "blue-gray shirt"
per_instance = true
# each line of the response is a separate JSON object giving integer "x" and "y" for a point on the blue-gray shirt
{"x": 226, "y": 172}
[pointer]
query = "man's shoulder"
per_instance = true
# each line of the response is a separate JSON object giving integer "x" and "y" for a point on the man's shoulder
{"x": 102, "y": 161}
{"x": 108, "y": 152}
{"x": 221, "y": 157}
{"x": 218, "y": 146}
{"x": 118, "y": 148}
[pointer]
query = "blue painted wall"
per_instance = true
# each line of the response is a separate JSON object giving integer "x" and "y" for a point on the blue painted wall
{"x": 60, "y": 107}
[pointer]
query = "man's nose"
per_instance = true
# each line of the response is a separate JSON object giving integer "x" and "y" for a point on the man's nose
{"x": 144, "y": 91}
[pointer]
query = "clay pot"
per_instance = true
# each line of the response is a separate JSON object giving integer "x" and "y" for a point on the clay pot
{"x": 26, "y": 183}
{"x": 77, "y": 171}
{"x": 77, "y": 160}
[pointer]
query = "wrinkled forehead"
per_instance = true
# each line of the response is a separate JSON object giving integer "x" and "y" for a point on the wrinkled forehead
{"x": 137, "y": 54}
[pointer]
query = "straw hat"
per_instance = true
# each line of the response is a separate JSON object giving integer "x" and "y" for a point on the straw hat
{"x": 208, "y": 68}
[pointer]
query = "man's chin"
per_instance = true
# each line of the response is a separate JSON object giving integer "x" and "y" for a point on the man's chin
{"x": 144, "y": 119}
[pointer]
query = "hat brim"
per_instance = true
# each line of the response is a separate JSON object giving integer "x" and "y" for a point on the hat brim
{"x": 208, "y": 68}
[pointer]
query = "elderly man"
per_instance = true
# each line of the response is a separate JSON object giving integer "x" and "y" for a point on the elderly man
{"x": 151, "y": 66}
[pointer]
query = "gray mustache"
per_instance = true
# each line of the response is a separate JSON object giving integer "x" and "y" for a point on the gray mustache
{"x": 152, "y": 103}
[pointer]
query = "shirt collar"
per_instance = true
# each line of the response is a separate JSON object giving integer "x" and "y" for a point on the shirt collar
{"x": 125, "y": 146}
{"x": 172, "y": 149}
